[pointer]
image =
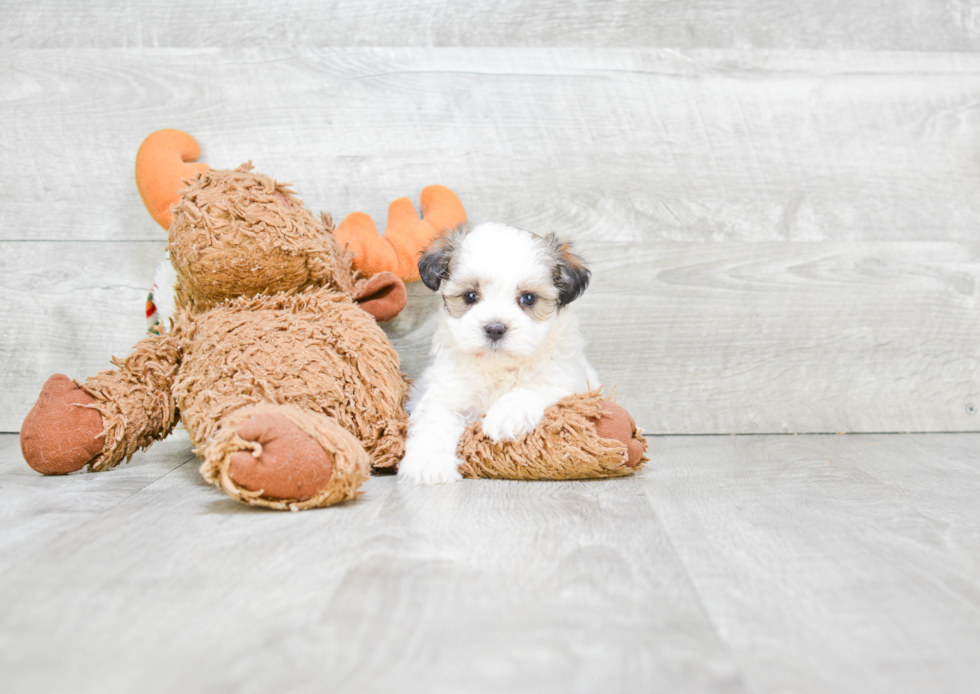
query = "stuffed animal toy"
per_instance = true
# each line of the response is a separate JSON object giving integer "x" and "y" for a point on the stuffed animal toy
{"x": 582, "y": 436}
{"x": 290, "y": 391}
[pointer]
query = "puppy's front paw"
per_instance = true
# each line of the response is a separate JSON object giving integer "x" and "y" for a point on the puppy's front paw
{"x": 434, "y": 468}
{"x": 509, "y": 419}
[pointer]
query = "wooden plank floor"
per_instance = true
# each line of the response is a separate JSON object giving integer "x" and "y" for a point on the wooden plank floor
{"x": 732, "y": 564}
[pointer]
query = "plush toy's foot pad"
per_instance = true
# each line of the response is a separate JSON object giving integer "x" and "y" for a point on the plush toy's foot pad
{"x": 616, "y": 423}
{"x": 284, "y": 457}
{"x": 287, "y": 464}
{"x": 62, "y": 434}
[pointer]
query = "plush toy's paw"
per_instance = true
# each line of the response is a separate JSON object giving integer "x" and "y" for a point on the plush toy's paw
{"x": 582, "y": 436}
{"x": 62, "y": 434}
{"x": 429, "y": 468}
{"x": 616, "y": 423}
{"x": 509, "y": 419}
{"x": 289, "y": 464}
{"x": 284, "y": 457}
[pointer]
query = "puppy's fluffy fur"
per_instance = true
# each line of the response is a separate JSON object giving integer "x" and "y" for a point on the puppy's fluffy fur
{"x": 506, "y": 347}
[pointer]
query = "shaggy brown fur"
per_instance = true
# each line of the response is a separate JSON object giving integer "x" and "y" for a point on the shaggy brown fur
{"x": 565, "y": 446}
{"x": 239, "y": 233}
{"x": 135, "y": 400}
{"x": 316, "y": 350}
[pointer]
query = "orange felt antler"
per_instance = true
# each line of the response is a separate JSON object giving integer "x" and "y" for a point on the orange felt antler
{"x": 162, "y": 162}
{"x": 405, "y": 237}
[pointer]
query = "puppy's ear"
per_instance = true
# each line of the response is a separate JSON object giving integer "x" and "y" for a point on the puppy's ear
{"x": 571, "y": 275}
{"x": 436, "y": 259}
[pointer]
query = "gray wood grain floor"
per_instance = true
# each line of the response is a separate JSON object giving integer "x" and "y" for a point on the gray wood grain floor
{"x": 731, "y": 564}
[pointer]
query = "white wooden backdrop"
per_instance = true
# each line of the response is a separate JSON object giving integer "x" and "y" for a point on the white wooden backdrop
{"x": 780, "y": 203}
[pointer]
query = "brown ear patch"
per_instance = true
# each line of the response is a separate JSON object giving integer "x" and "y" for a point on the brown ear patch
{"x": 435, "y": 264}
{"x": 570, "y": 273}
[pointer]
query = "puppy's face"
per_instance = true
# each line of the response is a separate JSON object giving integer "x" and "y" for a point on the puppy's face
{"x": 502, "y": 287}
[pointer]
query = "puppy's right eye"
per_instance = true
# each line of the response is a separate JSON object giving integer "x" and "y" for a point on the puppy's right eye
{"x": 528, "y": 299}
{"x": 470, "y": 297}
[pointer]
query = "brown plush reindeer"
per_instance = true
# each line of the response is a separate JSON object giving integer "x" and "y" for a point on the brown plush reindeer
{"x": 290, "y": 391}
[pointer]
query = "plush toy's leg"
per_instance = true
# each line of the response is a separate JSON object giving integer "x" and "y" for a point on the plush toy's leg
{"x": 390, "y": 448}
{"x": 106, "y": 419}
{"x": 285, "y": 457}
{"x": 582, "y": 436}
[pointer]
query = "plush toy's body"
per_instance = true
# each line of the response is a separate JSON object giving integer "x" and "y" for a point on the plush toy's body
{"x": 290, "y": 391}
{"x": 313, "y": 359}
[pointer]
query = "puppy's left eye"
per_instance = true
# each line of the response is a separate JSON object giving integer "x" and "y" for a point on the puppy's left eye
{"x": 470, "y": 297}
{"x": 528, "y": 299}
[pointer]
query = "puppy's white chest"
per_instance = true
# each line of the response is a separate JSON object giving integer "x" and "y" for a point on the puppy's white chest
{"x": 489, "y": 388}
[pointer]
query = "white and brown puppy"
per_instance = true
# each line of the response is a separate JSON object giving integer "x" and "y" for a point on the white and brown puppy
{"x": 506, "y": 348}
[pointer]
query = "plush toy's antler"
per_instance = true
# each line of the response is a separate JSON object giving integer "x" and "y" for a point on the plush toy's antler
{"x": 405, "y": 237}
{"x": 167, "y": 157}
{"x": 162, "y": 162}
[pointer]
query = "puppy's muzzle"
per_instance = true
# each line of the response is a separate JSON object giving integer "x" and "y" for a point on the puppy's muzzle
{"x": 495, "y": 331}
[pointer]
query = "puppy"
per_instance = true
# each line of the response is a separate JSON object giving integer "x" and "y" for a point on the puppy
{"x": 506, "y": 347}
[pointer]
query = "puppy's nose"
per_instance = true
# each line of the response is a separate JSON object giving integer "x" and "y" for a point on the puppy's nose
{"x": 495, "y": 331}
